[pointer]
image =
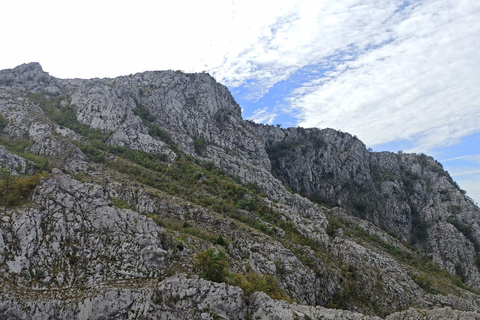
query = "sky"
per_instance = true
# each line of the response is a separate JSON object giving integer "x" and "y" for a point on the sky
{"x": 400, "y": 75}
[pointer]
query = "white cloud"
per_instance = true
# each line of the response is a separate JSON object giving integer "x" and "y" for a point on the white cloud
{"x": 407, "y": 69}
{"x": 423, "y": 84}
{"x": 263, "y": 116}
{"x": 464, "y": 172}
{"x": 108, "y": 38}
{"x": 473, "y": 158}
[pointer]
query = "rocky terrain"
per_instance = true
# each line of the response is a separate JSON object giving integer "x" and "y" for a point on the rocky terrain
{"x": 149, "y": 197}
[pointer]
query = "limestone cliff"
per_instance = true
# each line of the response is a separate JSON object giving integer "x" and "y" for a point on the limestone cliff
{"x": 408, "y": 195}
{"x": 153, "y": 172}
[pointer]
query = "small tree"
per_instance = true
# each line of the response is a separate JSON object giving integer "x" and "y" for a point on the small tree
{"x": 221, "y": 241}
{"x": 213, "y": 265}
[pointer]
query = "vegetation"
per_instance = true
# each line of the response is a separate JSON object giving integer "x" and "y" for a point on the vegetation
{"x": 200, "y": 145}
{"x": 424, "y": 272}
{"x": 62, "y": 113}
{"x": 16, "y": 189}
{"x": 351, "y": 292}
{"x": 254, "y": 282}
{"x": 212, "y": 265}
{"x": 20, "y": 147}
{"x": 158, "y": 132}
{"x": 120, "y": 203}
{"x": 144, "y": 114}
{"x": 204, "y": 184}
{"x": 197, "y": 181}
{"x": 153, "y": 130}
{"x": 3, "y": 122}
{"x": 466, "y": 230}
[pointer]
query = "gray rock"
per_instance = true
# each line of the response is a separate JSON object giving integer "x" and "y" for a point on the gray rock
{"x": 70, "y": 253}
{"x": 13, "y": 163}
{"x": 263, "y": 307}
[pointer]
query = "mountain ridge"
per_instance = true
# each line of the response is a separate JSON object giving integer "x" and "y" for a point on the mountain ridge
{"x": 169, "y": 156}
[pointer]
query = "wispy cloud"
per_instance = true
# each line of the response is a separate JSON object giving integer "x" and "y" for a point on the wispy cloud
{"x": 263, "y": 116}
{"x": 472, "y": 158}
{"x": 282, "y": 44}
{"x": 417, "y": 85}
{"x": 464, "y": 172}
{"x": 406, "y": 69}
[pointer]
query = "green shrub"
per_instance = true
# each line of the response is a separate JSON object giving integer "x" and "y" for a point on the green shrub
{"x": 144, "y": 114}
{"x": 200, "y": 145}
{"x": 93, "y": 151}
{"x": 156, "y": 131}
{"x": 254, "y": 282}
{"x": 15, "y": 189}
{"x": 120, "y": 203}
{"x": 419, "y": 230}
{"x": 221, "y": 241}
{"x": 424, "y": 283}
{"x": 333, "y": 224}
{"x": 212, "y": 265}
{"x": 19, "y": 146}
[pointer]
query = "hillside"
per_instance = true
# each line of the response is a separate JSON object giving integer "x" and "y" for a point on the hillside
{"x": 149, "y": 197}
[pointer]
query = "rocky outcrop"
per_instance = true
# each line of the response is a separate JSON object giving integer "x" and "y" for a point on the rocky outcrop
{"x": 408, "y": 195}
{"x": 437, "y": 314}
{"x": 133, "y": 134}
{"x": 107, "y": 236}
{"x": 30, "y": 77}
{"x": 176, "y": 298}
{"x": 13, "y": 163}
{"x": 263, "y": 307}
{"x": 73, "y": 237}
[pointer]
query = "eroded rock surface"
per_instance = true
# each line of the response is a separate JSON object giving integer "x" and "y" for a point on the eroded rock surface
{"x": 107, "y": 236}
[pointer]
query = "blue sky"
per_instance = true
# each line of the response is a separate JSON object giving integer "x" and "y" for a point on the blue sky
{"x": 400, "y": 75}
{"x": 410, "y": 83}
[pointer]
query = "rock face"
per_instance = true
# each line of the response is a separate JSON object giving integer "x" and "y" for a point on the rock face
{"x": 153, "y": 169}
{"x": 13, "y": 163}
{"x": 408, "y": 195}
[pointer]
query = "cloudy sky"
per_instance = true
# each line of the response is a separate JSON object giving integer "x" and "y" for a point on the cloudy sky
{"x": 400, "y": 75}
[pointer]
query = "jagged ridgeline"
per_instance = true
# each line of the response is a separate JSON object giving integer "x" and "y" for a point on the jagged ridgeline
{"x": 149, "y": 197}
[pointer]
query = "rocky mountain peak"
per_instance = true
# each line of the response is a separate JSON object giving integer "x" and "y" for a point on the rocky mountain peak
{"x": 30, "y": 76}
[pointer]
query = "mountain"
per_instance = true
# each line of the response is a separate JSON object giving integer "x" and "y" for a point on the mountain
{"x": 149, "y": 197}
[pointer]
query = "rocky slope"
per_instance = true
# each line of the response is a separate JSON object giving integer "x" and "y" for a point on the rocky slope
{"x": 408, "y": 195}
{"x": 161, "y": 202}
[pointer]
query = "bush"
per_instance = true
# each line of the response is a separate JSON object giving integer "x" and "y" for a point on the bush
{"x": 333, "y": 225}
{"x": 144, "y": 114}
{"x": 419, "y": 230}
{"x": 120, "y": 203}
{"x": 20, "y": 147}
{"x": 93, "y": 151}
{"x": 199, "y": 145}
{"x": 156, "y": 131}
{"x": 221, "y": 241}
{"x": 212, "y": 266}
{"x": 254, "y": 282}
{"x": 15, "y": 189}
